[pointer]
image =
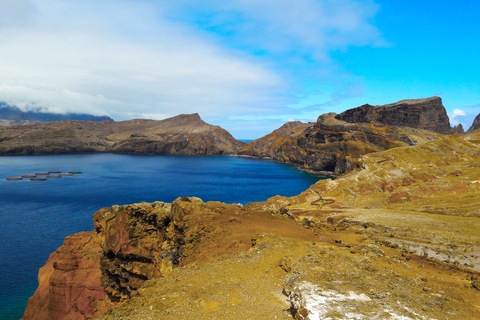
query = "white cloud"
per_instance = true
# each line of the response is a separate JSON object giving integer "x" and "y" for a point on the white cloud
{"x": 306, "y": 26}
{"x": 154, "y": 59}
{"x": 167, "y": 69}
{"x": 454, "y": 115}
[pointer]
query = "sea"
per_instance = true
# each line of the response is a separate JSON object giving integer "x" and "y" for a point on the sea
{"x": 35, "y": 216}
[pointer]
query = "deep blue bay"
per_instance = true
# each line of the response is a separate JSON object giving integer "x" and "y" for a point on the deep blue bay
{"x": 35, "y": 216}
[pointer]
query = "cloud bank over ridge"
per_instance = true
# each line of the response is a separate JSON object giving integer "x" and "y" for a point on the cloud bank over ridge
{"x": 135, "y": 59}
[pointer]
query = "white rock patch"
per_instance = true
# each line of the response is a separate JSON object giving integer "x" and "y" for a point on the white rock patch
{"x": 313, "y": 303}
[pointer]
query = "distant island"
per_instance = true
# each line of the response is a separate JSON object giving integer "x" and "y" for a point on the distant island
{"x": 12, "y": 115}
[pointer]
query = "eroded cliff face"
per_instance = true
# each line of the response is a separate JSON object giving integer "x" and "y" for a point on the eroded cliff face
{"x": 428, "y": 114}
{"x": 94, "y": 271}
{"x": 396, "y": 238}
{"x": 70, "y": 282}
{"x": 336, "y": 142}
{"x": 183, "y": 135}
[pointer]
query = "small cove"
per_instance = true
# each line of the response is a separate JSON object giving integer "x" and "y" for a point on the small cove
{"x": 36, "y": 215}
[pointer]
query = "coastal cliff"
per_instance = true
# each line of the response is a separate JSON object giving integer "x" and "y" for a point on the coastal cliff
{"x": 181, "y": 135}
{"x": 336, "y": 142}
{"x": 397, "y": 237}
{"x": 428, "y": 114}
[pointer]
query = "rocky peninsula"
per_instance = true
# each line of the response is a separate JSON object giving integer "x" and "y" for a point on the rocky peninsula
{"x": 399, "y": 241}
{"x": 396, "y": 236}
{"x": 185, "y": 134}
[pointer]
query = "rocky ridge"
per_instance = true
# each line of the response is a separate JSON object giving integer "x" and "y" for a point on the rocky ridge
{"x": 475, "y": 125}
{"x": 398, "y": 239}
{"x": 428, "y": 114}
{"x": 337, "y": 141}
{"x": 183, "y": 135}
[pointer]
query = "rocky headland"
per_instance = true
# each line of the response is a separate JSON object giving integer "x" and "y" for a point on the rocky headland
{"x": 395, "y": 238}
{"x": 337, "y": 141}
{"x": 182, "y": 135}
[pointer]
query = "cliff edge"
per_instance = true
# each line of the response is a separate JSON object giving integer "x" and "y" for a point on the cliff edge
{"x": 396, "y": 238}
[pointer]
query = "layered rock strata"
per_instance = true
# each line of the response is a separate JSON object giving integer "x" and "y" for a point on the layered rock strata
{"x": 428, "y": 114}
{"x": 70, "y": 282}
{"x": 336, "y": 141}
{"x": 182, "y": 135}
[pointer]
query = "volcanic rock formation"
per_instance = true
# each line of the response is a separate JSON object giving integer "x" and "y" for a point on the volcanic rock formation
{"x": 400, "y": 240}
{"x": 427, "y": 114}
{"x": 336, "y": 141}
{"x": 183, "y": 135}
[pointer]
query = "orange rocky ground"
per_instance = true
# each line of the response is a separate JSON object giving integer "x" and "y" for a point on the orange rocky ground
{"x": 400, "y": 241}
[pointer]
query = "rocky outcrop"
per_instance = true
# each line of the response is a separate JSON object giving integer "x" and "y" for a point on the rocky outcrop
{"x": 131, "y": 244}
{"x": 70, "y": 282}
{"x": 183, "y": 135}
{"x": 280, "y": 139}
{"x": 336, "y": 142}
{"x": 458, "y": 128}
{"x": 428, "y": 114}
{"x": 334, "y": 145}
{"x": 475, "y": 125}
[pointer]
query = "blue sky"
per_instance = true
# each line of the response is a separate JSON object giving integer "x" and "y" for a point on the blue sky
{"x": 246, "y": 65}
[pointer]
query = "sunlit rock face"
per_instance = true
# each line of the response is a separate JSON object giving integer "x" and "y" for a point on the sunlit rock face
{"x": 70, "y": 282}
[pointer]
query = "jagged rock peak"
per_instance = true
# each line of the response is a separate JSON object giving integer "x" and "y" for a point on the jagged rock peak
{"x": 459, "y": 128}
{"x": 475, "y": 125}
{"x": 428, "y": 114}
